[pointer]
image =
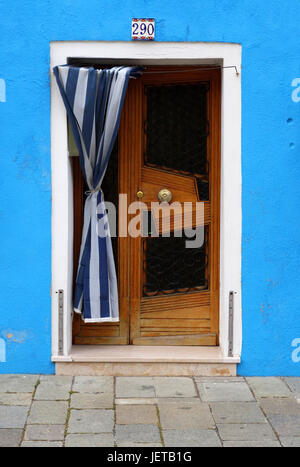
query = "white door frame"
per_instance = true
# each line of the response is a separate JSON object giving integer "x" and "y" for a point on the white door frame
{"x": 158, "y": 53}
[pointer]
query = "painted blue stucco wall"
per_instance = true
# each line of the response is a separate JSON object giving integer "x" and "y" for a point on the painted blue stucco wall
{"x": 269, "y": 34}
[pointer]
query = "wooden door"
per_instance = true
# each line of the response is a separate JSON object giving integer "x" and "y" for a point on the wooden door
{"x": 174, "y": 291}
{"x": 169, "y": 138}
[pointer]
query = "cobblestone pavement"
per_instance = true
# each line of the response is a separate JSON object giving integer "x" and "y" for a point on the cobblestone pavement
{"x": 90, "y": 411}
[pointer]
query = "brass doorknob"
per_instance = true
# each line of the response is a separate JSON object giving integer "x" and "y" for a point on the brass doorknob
{"x": 164, "y": 195}
{"x": 139, "y": 194}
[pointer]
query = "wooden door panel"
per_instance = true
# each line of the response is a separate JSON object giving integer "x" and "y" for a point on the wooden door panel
{"x": 151, "y": 190}
{"x": 169, "y": 219}
{"x": 192, "y": 339}
{"x": 175, "y": 302}
{"x": 164, "y": 323}
{"x": 107, "y": 333}
{"x": 189, "y": 313}
{"x": 183, "y": 185}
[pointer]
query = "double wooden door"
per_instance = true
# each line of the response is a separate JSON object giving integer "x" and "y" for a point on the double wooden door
{"x": 169, "y": 139}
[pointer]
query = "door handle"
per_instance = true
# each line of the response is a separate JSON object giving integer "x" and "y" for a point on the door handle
{"x": 164, "y": 195}
{"x": 139, "y": 194}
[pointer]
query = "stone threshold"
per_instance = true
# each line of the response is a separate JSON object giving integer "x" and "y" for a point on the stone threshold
{"x": 130, "y": 360}
{"x": 145, "y": 354}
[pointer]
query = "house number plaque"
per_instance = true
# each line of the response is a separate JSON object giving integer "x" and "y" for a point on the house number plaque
{"x": 143, "y": 29}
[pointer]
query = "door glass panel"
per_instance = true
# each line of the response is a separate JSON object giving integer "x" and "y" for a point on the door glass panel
{"x": 177, "y": 128}
{"x": 176, "y": 140}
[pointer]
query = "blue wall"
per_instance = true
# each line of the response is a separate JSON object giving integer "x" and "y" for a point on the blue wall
{"x": 269, "y": 34}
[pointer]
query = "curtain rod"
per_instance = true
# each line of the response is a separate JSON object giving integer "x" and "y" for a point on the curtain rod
{"x": 186, "y": 71}
{"x": 195, "y": 69}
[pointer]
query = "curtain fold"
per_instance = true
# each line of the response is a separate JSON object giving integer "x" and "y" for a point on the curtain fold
{"x": 93, "y": 100}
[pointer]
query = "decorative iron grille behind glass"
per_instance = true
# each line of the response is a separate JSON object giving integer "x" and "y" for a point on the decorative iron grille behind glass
{"x": 169, "y": 267}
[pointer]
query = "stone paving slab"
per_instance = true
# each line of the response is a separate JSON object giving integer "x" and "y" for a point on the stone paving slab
{"x": 89, "y": 440}
{"x": 186, "y": 415}
{"x": 136, "y": 414}
{"x": 136, "y": 401}
{"x": 92, "y": 401}
{"x": 13, "y": 416}
{"x": 16, "y": 398}
{"x": 174, "y": 387}
{"x": 225, "y": 391}
{"x": 219, "y": 379}
{"x": 245, "y": 432}
{"x": 54, "y": 388}
{"x": 93, "y": 384}
{"x": 268, "y": 387}
{"x": 294, "y": 385}
{"x": 18, "y": 383}
{"x": 179, "y": 400}
{"x": 290, "y": 442}
{"x": 10, "y": 438}
{"x": 91, "y": 421}
{"x": 237, "y": 412}
{"x": 285, "y": 424}
{"x": 139, "y": 445}
{"x": 42, "y": 444}
{"x": 267, "y": 443}
{"x": 284, "y": 406}
{"x": 137, "y": 434}
{"x": 186, "y": 438}
{"x": 44, "y": 433}
{"x": 48, "y": 412}
{"x": 135, "y": 386}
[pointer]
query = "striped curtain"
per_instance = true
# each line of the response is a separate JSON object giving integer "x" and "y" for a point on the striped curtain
{"x": 94, "y": 101}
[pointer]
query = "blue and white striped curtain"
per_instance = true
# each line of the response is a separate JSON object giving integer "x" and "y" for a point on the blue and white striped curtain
{"x": 94, "y": 101}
